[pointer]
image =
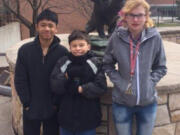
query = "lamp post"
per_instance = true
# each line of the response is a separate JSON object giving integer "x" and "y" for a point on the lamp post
{"x": 173, "y": 11}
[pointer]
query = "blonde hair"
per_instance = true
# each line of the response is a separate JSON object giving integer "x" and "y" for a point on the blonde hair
{"x": 132, "y": 4}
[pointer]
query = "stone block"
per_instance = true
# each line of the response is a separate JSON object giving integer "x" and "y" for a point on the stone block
{"x": 104, "y": 112}
{"x": 101, "y": 130}
{"x": 177, "y": 129}
{"x": 111, "y": 123}
{"x": 17, "y": 123}
{"x": 165, "y": 130}
{"x": 4, "y": 78}
{"x": 175, "y": 116}
{"x": 162, "y": 99}
{"x": 162, "y": 115}
{"x": 5, "y": 116}
{"x": 174, "y": 100}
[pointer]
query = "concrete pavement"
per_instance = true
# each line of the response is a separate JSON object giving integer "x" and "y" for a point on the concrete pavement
{"x": 5, "y": 116}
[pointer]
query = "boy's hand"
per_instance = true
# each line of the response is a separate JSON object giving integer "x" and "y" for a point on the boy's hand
{"x": 26, "y": 108}
{"x": 80, "y": 89}
{"x": 66, "y": 75}
{"x": 55, "y": 107}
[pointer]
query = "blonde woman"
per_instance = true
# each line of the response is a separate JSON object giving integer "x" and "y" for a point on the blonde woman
{"x": 137, "y": 48}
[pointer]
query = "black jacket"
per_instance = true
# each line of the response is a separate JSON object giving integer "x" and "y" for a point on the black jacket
{"x": 79, "y": 112}
{"x": 32, "y": 75}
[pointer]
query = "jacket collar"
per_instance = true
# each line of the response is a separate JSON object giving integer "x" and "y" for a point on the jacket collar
{"x": 123, "y": 33}
{"x": 54, "y": 43}
{"x": 80, "y": 59}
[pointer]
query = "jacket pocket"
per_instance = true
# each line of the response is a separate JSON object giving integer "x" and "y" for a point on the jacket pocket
{"x": 149, "y": 93}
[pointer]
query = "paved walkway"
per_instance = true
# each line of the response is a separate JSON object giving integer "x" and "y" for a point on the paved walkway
{"x": 5, "y": 116}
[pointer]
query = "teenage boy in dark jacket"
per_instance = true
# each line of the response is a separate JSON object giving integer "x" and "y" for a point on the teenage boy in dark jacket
{"x": 33, "y": 68}
{"x": 79, "y": 80}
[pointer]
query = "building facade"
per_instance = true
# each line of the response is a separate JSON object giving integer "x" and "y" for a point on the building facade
{"x": 74, "y": 14}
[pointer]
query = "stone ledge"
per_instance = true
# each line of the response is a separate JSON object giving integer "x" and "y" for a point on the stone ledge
{"x": 164, "y": 33}
{"x": 168, "y": 89}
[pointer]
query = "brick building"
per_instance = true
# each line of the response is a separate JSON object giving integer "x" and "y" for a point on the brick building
{"x": 74, "y": 15}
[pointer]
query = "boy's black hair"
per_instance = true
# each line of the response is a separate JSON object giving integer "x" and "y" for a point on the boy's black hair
{"x": 47, "y": 15}
{"x": 78, "y": 34}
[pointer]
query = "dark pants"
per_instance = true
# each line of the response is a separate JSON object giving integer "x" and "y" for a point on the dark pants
{"x": 86, "y": 132}
{"x": 32, "y": 127}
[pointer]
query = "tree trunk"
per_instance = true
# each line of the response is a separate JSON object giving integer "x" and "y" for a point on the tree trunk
{"x": 32, "y": 31}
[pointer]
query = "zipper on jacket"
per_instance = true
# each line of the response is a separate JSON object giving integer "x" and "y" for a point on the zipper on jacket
{"x": 137, "y": 80}
{"x": 43, "y": 59}
{"x": 44, "y": 56}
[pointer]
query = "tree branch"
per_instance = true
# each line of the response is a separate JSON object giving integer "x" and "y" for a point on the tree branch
{"x": 18, "y": 6}
{"x": 65, "y": 12}
{"x": 39, "y": 5}
{"x": 29, "y": 1}
{"x": 19, "y": 16}
{"x": 45, "y": 3}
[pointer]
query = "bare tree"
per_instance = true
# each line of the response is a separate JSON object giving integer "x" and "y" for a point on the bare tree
{"x": 85, "y": 8}
{"x": 14, "y": 6}
{"x": 17, "y": 7}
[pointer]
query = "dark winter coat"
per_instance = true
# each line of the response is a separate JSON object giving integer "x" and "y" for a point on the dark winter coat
{"x": 32, "y": 75}
{"x": 79, "y": 112}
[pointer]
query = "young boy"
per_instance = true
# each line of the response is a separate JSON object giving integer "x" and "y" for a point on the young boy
{"x": 79, "y": 80}
{"x": 34, "y": 65}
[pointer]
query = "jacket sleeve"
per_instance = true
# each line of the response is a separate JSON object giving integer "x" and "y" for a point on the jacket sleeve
{"x": 109, "y": 67}
{"x": 21, "y": 80}
{"x": 58, "y": 79}
{"x": 159, "y": 68}
{"x": 96, "y": 88}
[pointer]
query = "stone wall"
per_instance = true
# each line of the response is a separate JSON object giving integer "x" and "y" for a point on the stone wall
{"x": 9, "y": 35}
{"x": 168, "y": 114}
